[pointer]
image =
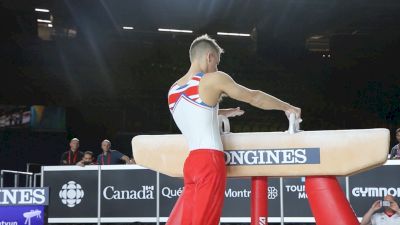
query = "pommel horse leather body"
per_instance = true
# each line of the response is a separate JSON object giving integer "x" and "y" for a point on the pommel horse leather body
{"x": 275, "y": 154}
{"x": 318, "y": 155}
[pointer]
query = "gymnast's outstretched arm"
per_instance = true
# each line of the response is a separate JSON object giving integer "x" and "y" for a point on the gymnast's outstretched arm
{"x": 259, "y": 99}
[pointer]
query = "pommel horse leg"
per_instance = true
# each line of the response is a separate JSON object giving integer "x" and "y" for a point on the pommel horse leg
{"x": 328, "y": 202}
{"x": 259, "y": 200}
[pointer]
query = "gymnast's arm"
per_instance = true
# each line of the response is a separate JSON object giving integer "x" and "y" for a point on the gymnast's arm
{"x": 255, "y": 98}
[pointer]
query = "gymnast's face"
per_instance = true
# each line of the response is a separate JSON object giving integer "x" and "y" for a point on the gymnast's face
{"x": 398, "y": 136}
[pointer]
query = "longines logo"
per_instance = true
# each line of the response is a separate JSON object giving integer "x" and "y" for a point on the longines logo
{"x": 24, "y": 196}
{"x": 272, "y": 156}
{"x": 146, "y": 192}
{"x": 375, "y": 191}
{"x": 71, "y": 194}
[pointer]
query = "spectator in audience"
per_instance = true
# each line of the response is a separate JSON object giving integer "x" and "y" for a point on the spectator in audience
{"x": 72, "y": 156}
{"x": 395, "y": 152}
{"x": 389, "y": 216}
{"x": 87, "y": 159}
{"x": 110, "y": 157}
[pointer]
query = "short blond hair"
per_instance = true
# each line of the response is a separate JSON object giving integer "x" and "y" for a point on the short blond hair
{"x": 201, "y": 44}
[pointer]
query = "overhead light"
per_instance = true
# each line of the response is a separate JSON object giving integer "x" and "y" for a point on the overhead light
{"x": 127, "y": 28}
{"x": 49, "y": 25}
{"x": 174, "y": 30}
{"x": 233, "y": 34}
{"x": 43, "y": 21}
{"x": 41, "y": 10}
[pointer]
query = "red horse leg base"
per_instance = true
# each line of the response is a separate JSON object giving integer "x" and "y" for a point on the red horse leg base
{"x": 259, "y": 200}
{"x": 328, "y": 202}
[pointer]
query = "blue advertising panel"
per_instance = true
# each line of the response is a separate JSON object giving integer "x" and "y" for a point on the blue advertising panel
{"x": 22, "y": 215}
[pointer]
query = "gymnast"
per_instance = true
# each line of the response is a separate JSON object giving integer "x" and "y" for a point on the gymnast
{"x": 194, "y": 104}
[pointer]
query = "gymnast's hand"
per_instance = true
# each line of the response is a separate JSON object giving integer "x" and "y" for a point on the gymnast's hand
{"x": 293, "y": 109}
{"x": 232, "y": 112}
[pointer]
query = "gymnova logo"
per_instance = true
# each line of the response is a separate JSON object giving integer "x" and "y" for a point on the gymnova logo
{"x": 146, "y": 192}
{"x": 272, "y": 156}
{"x": 71, "y": 194}
{"x": 375, "y": 191}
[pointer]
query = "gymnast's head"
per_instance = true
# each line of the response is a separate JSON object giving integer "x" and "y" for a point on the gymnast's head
{"x": 205, "y": 53}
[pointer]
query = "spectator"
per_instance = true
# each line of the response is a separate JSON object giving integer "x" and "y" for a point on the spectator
{"x": 87, "y": 159}
{"x": 72, "y": 156}
{"x": 390, "y": 215}
{"x": 395, "y": 152}
{"x": 110, "y": 157}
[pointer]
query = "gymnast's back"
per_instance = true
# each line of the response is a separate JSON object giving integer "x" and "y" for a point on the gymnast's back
{"x": 197, "y": 120}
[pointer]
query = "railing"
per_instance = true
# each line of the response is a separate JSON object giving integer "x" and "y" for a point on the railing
{"x": 16, "y": 177}
{"x": 34, "y": 168}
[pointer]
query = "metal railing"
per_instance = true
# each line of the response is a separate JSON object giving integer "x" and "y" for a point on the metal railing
{"x": 32, "y": 168}
{"x": 16, "y": 177}
{"x": 35, "y": 175}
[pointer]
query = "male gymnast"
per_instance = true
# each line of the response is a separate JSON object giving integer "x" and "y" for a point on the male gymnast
{"x": 194, "y": 103}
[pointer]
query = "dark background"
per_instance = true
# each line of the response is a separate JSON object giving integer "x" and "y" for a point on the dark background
{"x": 113, "y": 82}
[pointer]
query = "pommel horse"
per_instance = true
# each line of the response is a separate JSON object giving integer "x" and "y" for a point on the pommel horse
{"x": 319, "y": 156}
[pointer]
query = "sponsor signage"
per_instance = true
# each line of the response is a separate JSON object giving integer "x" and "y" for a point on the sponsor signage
{"x": 128, "y": 193}
{"x": 22, "y": 215}
{"x": 237, "y": 196}
{"x": 73, "y": 193}
{"x": 170, "y": 190}
{"x": 24, "y": 196}
{"x": 272, "y": 156}
{"x": 367, "y": 187}
{"x": 295, "y": 198}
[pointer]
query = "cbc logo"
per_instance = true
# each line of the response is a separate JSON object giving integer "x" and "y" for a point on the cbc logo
{"x": 71, "y": 194}
{"x": 272, "y": 192}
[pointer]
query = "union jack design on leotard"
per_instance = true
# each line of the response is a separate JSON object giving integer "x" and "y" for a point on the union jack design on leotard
{"x": 197, "y": 121}
{"x": 190, "y": 91}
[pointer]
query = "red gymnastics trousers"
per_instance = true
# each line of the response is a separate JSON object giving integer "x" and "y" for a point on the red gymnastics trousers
{"x": 202, "y": 197}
